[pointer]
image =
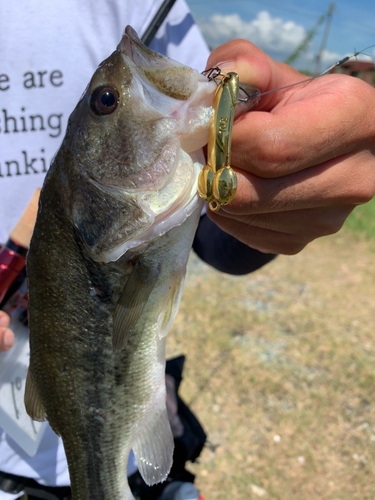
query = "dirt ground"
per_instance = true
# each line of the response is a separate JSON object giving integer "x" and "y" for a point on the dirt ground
{"x": 280, "y": 371}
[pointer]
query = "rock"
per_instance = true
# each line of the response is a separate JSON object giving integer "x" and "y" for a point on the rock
{"x": 256, "y": 490}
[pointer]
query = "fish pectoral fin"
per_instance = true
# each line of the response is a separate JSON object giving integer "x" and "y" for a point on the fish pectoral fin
{"x": 170, "y": 309}
{"x": 132, "y": 302}
{"x": 153, "y": 449}
{"x": 33, "y": 402}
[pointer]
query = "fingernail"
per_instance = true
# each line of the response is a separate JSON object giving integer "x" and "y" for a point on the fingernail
{"x": 225, "y": 66}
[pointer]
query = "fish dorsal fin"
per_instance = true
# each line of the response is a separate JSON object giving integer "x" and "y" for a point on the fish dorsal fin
{"x": 153, "y": 448}
{"x": 132, "y": 302}
{"x": 33, "y": 402}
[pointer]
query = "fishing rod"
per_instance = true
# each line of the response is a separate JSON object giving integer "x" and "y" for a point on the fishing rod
{"x": 156, "y": 22}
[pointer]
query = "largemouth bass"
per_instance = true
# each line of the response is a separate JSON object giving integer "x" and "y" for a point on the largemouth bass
{"x": 117, "y": 215}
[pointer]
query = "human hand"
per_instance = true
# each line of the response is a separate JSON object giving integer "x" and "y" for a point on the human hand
{"x": 304, "y": 157}
{"x": 6, "y": 334}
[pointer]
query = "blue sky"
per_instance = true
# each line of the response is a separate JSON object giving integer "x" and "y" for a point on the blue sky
{"x": 278, "y": 27}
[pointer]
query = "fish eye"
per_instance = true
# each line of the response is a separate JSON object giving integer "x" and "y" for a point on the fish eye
{"x": 104, "y": 100}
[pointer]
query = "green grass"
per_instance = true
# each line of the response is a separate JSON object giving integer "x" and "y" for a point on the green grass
{"x": 362, "y": 220}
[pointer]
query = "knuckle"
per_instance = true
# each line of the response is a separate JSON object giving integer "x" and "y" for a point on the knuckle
{"x": 292, "y": 247}
{"x": 283, "y": 247}
{"x": 364, "y": 195}
{"x": 328, "y": 226}
{"x": 363, "y": 190}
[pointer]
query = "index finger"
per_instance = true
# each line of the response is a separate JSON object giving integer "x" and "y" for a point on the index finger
{"x": 306, "y": 129}
{"x": 297, "y": 127}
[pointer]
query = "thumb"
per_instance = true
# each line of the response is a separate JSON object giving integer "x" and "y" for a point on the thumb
{"x": 254, "y": 67}
{"x": 4, "y": 319}
{"x": 6, "y": 339}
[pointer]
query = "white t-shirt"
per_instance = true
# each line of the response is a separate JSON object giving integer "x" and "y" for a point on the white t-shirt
{"x": 48, "y": 53}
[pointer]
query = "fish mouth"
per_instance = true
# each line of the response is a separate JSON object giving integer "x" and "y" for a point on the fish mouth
{"x": 184, "y": 99}
{"x": 184, "y": 94}
{"x": 144, "y": 57}
{"x": 169, "y": 77}
{"x": 132, "y": 47}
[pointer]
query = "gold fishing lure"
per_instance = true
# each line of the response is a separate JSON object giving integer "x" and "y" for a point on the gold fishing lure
{"x": 217, "y": 182}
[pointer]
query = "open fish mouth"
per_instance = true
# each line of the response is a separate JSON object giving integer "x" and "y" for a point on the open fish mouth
{"x": 151, "y": 170}
{"x": 144, "y": 57}
{"x": 185, "y": 94}
{"x": 184, "y": 99}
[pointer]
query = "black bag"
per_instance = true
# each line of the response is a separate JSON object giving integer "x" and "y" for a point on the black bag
{"x": 188, "y": 433}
